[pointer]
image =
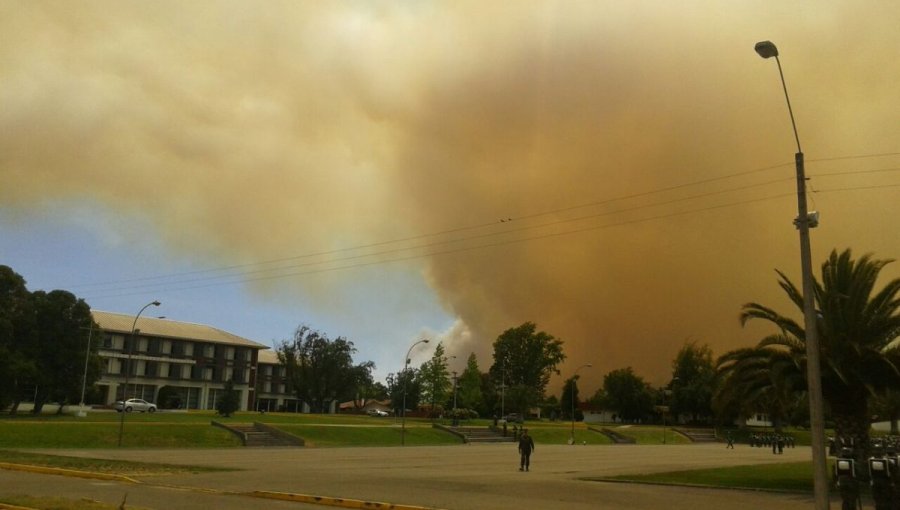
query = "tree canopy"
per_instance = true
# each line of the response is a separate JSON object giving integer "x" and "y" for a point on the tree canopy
{"x": 320, "y": 369}
{"x": 469, "y": 394}
{"x": 857, "y": 327}
{"x": 435, "y": 378}
{"x": 628, "y": 394}
{"x": 40, "y": 334}
{"x": 524, "y": 360}
{"x": 693, "y": 377}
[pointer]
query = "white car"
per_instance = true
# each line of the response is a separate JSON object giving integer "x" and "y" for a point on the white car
{"x": 135, "y": 404}
{"x": 377, "y": 412}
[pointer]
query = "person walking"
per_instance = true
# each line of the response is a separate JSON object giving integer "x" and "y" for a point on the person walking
{"x": 526, "y": 446}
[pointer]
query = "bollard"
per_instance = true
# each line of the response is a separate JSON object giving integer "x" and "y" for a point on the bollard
{"x": 880, "y": 476}
{"x": 845, "y": 476}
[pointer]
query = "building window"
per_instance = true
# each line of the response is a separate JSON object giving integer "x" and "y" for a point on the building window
{"x": 113, "y": 366}
{"x": 209, "y": 351}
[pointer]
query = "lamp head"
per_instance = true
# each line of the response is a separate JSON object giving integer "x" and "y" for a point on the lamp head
{"x": 155, "y": 303}
{"x": 766, "y": 49}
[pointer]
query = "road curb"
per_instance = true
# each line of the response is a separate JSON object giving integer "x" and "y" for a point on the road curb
{"x": 284, "y": 496}
{"x": 65, "y": 472}
{"x": 324, "y": 500}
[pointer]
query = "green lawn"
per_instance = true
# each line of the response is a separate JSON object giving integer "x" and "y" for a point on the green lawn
{"x": 68, "y": 434}
{"x": 118, "y": 467}
{"x": 193, "y": 430}
{"x": 794, "y": 476}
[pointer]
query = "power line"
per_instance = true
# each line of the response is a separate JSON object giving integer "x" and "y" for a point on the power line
{"x": 242, "y": 276}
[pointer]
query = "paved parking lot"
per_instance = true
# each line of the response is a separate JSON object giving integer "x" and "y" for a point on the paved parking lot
{"x": 459, "y": 477}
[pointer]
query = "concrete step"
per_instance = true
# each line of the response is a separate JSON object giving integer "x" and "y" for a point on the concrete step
{"x": 255, "y": 436}
{"x": 699, "y": 435}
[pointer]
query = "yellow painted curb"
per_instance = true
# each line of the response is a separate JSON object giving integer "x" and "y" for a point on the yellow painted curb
{"x": 65, "y": 472}
{"x": 4, "y": 506}
{"x": 324, "y": 500}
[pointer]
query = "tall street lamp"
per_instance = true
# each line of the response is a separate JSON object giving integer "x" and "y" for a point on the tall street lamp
{"x": 87, "y": 356}
{"x": 405, "y": 376}
{"x": 455, "y": 385}
{"x": 803, "y": 222}
{"x": 128, "y": 367}
{"x": 572, "y": 390}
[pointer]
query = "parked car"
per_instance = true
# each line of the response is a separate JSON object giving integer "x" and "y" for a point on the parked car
{"x": 377, "y": 412}
{"x": 135, "y": 404}
{"x": 513, "y": 418}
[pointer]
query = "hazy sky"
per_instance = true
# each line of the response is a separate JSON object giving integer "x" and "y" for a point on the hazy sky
{"x": 620, "y": 173}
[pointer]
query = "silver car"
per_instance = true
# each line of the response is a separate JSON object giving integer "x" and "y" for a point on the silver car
{"x": 135, "y": 404}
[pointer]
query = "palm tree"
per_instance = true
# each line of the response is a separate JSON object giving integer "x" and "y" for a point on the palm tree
{"x": 757, "y": 379}
{"x": 857, "y": 328}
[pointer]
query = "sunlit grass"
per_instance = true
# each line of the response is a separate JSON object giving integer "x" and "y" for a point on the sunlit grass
{"x": 793, "y": 476}
{"x": 119, "y": 467}
{"x": 68, "y": 434}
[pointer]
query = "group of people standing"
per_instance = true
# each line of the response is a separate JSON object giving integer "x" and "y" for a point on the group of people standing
{"x": 778, "y": 442}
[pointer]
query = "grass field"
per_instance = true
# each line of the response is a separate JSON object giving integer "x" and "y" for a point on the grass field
{"x": 192, "y": 429}
{"x": 794, "y": 476}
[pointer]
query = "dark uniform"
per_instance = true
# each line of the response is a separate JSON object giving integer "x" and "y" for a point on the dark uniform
{"x": 526, "y": 446}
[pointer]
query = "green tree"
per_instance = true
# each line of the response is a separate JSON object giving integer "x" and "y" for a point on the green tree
{"x": 628, "y": 394}
{"x": 230, "y": 401}
{"x": 857, "y": 326}
{"x": 490, "y": 391}
{"x": 62, "y": 325}
{"x": 15, "y": 364}
{"x": 693, "y": 377}
{"x": 408, "y": 382}
{"x": 436, "y": 384}
{"x": 753, "y": 380}
{"x": 569, "y": 399}
{"x": 469, "y": 392}
{"x": 524, "y": 359}
{"x": 321, "y": 370}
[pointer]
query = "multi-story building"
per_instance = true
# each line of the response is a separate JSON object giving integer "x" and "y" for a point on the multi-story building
{"x": 272, "y": 388}
{"x": 175, "y": 364}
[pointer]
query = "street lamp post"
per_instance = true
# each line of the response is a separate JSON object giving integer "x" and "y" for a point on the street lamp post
{"x": 572, "y": 391}
{"x": 455, "y": 386}
{"x": 87, "y": 356}
{"x": 128, "y": 367}
{"x": 403, "y": 410}
{"x": 767, "y": 49}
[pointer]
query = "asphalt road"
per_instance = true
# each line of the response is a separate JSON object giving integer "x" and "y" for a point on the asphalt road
{"x": 459, "y": 477}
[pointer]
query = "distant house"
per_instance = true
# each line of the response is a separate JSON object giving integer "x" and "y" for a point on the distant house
{"x": 369, "y": 405}
{"x": 757, "y": 420}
